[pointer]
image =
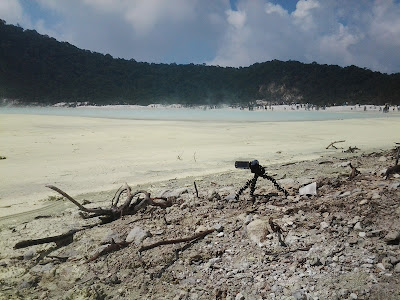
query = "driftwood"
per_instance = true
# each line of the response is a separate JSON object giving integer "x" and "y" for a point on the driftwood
{"x": 129, "y": 207}
{"x": 60, "y": 240}
{"x": 351, "y": 150}
{"x": 118, "y": 246}
{"x": 333, "y": 144}
{"x": 197, "y": 236}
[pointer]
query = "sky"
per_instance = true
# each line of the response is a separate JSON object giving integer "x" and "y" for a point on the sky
{"x": 365, "y": 33}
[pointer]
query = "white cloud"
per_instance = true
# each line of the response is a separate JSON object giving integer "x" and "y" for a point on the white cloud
{"x": 11, "y": 11}
{"x": 364, "y": 33}
{"x": 236, "y": 18}
{"x": 275, "y": 8}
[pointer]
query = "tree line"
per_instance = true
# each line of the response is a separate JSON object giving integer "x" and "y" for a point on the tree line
{"x": 38, "y": 69}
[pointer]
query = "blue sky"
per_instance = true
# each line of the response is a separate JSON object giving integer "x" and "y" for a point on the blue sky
{"x": 365, "y": 33}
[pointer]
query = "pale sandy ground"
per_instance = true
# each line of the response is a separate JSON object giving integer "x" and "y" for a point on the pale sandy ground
{"x": 82, "y": 155}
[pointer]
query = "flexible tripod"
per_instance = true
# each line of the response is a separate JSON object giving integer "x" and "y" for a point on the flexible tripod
{"x": 259, "y": 171}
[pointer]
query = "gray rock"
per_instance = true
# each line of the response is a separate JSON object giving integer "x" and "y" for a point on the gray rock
{"x": 248, "y": 219}
{"x": 28, "y": 255}
{"x": 324, "y": 225}
{"x": 397, "y": 268}
{"x": 357, "y": 227}
{"x": 110, "y": 236}
{"x": 394, "y": 185}
{"x": 299, "y": 295}
{"x": 137, "y": 235}
{"x": 345, "y": 194}
{"x": 230, "y": 197}
{"x": 239, "y": 296}
{"x": 314, "y": 261}
{"x": 392, "y": 238}
{"x": 218, "y": 227}
{"x": 257, "y": 231}
{"x": 382, "y": 158}
{"x": 353, "y": 296}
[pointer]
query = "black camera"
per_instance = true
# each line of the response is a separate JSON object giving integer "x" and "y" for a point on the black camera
{"x": 254, "y": 166}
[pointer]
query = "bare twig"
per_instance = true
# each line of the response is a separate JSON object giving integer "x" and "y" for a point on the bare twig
{"x": 195, "y": 187}
{"x": 333, "y": 144}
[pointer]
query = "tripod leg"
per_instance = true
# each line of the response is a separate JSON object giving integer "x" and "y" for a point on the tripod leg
{"x": 276, "y": 184}
{"x": 243, "y": 189}
{"x": 253, "y": 187}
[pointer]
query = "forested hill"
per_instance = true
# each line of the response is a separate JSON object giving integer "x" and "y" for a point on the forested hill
{"x": 38, "y": 69}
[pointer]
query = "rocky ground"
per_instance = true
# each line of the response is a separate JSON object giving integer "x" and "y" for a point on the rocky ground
{"x": 342, "y": 243}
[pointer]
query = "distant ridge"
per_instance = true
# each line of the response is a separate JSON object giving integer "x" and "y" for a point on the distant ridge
{"x": 37, "y": 69}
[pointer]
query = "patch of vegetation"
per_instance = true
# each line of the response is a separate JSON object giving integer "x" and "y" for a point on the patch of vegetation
{"x": 37, "y": 69}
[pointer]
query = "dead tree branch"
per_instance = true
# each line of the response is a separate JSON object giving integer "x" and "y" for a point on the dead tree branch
{"x": 118, "y": 246}
{"x": 197, "y": 236}
{"x": 129, "y": 207}
{"x": 351, "y": 150}
{"x": 60, "y": 240}
{"x": 333, "y": 144}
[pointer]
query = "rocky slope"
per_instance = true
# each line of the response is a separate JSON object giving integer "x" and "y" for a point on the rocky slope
{"x": 342, "y": 243}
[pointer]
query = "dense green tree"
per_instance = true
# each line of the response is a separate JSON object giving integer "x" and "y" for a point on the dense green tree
{"x": 36, "y": 68}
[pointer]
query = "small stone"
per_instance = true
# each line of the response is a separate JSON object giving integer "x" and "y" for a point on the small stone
{"x": 362, "y": 202}
{"x": 381, "y": 266}
{"x": 397, "y": 268}
{"x": 218, "y": 227}
{"x": 314, "y": 261}
{"x": 201, "y": 228}
{"x": 323, "y": 225}
{"x": 249, "y": 219}
{"x": 299, "y": 295}
{"x": 231, "y": 197}
{"x": 28, "y": 255}
{"x": 382, "y": 158}
{"x": 353, "y": 296}
{"x": 258, "y": 231}
{"x": 352, "y": 240}
{"x": 345, "y": 194}
{"x": 220, "y": 234}
{"x": 114, "y": 279}
{"x": 394, "y": 185}
{"x": 357, "y": 227}
{"x": 137, "y": 235}
{"x": 376, "y": 196}
{"x": 362, "y": 234}
{"x": 310, "y": 189}
{"x": 392, "y": 238}
{"x": 239, "y": 296}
